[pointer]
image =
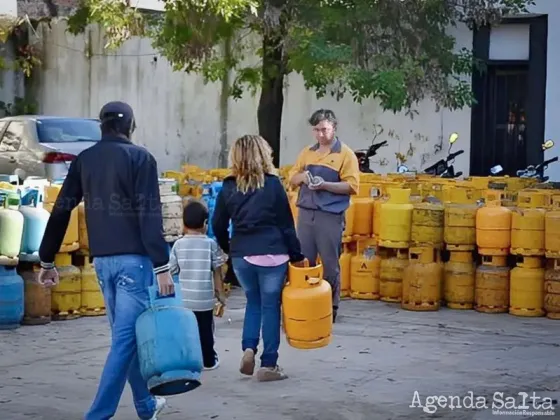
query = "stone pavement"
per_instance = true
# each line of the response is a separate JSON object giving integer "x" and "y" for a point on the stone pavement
{"x": 379, "y": 357}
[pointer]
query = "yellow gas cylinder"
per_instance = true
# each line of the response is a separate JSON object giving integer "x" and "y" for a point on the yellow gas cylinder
{"x": 532, "y": 199}
{"x": 363, "y": 217}
{"x": 459, "y": 232}
{"x": 527, "y": 231}
{"x": 364, "y": 272}
{"x": 37, "y": 298}
{"x": 491, "y": 294}
{"x": 552, "y": 233}
{"x": 292, "y": 198}
{"x": 496, "y": 194}
{"x": 376, "y": 225}
{"x": 427, "y": 225}
{"x": 462, "y": 192}
{"x": 552, "y": 289}
{"x": 307, "y": 308}
{"x": 391, "y": 269}
{"x": 348, "y": 222}
{"x": 479, "y": 182}
{"x": 71, "y": 241}
{"x": 459, "y": 276}
{"x": 526, "y": 288}
{"x": 396, "y": 215}
{"x": 422, "y": 277}
{"x": 67, "y": 294}
{"x": 92, "y": 297}
{"x": 345, "y": 271}
{"x": 493, "y": 229}
{"x": 82, "y": 228}
{"x": 379, "y": 194}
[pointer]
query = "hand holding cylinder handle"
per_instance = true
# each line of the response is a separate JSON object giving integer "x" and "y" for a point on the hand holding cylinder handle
{"x": 48, "y": 277}
{"x": 165, "y": 284}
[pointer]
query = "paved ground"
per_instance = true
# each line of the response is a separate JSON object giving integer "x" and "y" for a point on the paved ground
{"x": 379, "y": 357}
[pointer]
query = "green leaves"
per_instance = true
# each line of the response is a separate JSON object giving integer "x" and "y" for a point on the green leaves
{"x": 396, "y": 51}
{"x": 119, "y": 21}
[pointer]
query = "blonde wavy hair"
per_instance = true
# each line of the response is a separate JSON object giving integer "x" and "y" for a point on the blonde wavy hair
{"x": 250, "y": 159}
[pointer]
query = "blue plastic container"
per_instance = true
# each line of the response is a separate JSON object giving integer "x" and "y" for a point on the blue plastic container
{"x": 169, "y": 349}
{"x": 35, "y": 223}
{"x": 11, "y": 298}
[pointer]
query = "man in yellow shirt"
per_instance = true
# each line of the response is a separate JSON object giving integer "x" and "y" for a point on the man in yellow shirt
{"x": 327, "y": 174}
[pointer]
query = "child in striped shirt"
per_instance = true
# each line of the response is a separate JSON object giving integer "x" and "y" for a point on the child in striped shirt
{"x": 198, "y": 260}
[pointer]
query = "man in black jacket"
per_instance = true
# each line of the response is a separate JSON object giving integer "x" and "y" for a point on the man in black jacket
{"x": 119, "y": 184}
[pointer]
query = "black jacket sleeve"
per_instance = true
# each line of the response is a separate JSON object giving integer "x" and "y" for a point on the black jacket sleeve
{"x": 69, "y": 197}
{"x": 286, "y": 223}
{"x": 220, "y": 221}
{"x": 149, "y": 214}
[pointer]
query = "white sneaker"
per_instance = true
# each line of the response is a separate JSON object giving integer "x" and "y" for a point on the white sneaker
{"x": 161, "y": 403}
{"x": 215, "y": 366}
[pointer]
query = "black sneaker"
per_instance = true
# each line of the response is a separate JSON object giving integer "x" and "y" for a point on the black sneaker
{"x": 215, "y": 365}
{"x": 334, "y": 312}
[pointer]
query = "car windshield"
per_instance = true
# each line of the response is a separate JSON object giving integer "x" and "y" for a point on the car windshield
{"x": 63, "y": 130}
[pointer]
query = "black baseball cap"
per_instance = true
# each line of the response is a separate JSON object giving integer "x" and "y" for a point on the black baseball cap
{"x": 118, "y": 115}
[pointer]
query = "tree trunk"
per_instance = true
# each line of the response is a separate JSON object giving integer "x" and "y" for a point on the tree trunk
{"x": 271, "y": 102}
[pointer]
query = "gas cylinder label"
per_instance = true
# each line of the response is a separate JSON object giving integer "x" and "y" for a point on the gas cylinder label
{"x": 374, "y": 192}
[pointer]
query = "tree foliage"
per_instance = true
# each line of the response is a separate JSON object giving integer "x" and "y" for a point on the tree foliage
{"x": 397, "y": 51}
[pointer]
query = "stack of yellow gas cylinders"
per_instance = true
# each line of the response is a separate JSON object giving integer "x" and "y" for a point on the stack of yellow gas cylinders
{"x": 491, "y": 244}
{"x": 459, "y": 234}
{"x": 552, "y": 253}
{"x": 493, "y": 239}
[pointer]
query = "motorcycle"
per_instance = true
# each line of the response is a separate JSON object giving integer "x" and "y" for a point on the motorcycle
{"x": 537, "y": 171}
{"x": 531, "y": 171}
{"x": 444, "y": 167}
{"x": 364, "y": 155}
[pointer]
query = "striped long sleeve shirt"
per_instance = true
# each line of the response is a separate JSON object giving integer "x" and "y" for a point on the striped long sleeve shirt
{"x": 195, "y": 258}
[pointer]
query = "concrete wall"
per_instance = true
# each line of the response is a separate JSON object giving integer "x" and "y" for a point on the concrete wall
{"x": 179, "y": 117}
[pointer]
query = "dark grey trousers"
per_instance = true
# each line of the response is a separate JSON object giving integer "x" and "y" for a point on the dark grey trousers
{"x": 320, "y": 233}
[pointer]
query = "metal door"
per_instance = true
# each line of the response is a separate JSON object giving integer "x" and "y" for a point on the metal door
{"x": 504, "y": 123}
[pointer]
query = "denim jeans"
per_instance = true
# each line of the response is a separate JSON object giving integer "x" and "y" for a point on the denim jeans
{"x": 124, "y": 281}
{"x": 263, "y": 289}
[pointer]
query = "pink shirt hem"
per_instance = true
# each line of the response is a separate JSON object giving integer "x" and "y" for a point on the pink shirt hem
{"x": 267, "y": 260}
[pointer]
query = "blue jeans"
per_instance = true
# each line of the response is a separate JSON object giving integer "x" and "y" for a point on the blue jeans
{"x": 263, "y": 289}
{"x": 124, "y": 281}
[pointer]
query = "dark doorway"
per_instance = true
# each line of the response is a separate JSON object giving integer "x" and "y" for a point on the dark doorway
{"x": 504, "y": 100}
{"x": 507, "y": 122}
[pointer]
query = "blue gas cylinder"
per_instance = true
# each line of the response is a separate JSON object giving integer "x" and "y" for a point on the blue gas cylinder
{"x": 209, "y": 195}
{"x": 11, "y": 298}
{"x": 168, "y": 342}
{"x": 34, "y": 225}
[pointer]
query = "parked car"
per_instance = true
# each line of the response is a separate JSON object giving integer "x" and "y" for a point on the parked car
{"x": 44, "y": 146}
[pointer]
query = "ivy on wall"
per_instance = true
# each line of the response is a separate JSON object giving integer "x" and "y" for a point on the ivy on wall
{"x": 14, "y": 33}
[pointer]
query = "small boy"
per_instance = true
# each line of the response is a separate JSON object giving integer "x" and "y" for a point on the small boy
{"x": 198, "y": 260}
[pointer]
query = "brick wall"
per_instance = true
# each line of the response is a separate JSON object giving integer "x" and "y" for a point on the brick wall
{"x": 42, "y": 8}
